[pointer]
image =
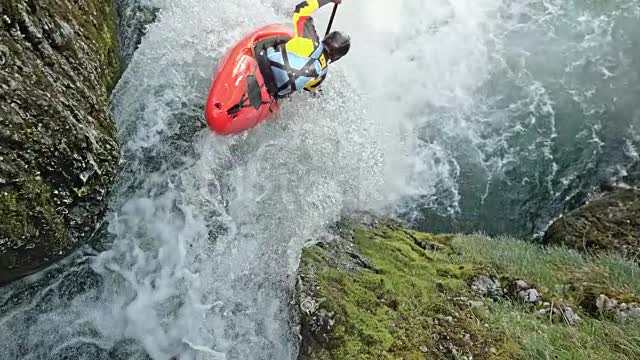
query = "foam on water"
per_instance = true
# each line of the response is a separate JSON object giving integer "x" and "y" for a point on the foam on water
{"x": 208, "y": 239}
{"x": 511, "y": 110}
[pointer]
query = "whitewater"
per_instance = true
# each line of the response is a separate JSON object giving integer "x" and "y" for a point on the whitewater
{"x": 452, "y": 115}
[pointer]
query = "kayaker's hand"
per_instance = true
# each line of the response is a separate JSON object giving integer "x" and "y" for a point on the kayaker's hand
{"x": 337, "y": 1}
{"x": 316, "y": 93}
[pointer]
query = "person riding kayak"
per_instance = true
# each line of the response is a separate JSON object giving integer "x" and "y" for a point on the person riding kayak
{"x": 302, "y": 62}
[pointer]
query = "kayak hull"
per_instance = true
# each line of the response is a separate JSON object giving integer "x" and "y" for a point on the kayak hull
{"x": 238, "y": 99}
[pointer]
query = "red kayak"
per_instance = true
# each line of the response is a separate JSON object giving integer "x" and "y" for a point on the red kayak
{"x": 239, "y": 98}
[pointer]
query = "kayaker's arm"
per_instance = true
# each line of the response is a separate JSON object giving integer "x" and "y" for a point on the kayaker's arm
{"x": 315, "y": 84}
{"x": 302, "y": 20}
{"x": 306, "y": 39}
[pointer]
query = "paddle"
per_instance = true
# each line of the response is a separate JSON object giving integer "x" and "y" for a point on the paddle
{"x": 333, "y": 15}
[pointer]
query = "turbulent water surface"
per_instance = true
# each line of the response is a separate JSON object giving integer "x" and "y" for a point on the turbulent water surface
{"x": 489, "y": 115}
{"x": 518, "y": 108}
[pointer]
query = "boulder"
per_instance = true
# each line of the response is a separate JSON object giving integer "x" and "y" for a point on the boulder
{"x": 611, "y": 222}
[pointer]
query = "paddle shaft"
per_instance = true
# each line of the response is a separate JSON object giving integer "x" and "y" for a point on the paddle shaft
{"x": 333, "y": 16}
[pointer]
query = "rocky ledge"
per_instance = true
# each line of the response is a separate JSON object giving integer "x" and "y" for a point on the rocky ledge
{"x": 381, "y": 291}
{"x": 58, "y": 150}
{"x": 610, "y": 222}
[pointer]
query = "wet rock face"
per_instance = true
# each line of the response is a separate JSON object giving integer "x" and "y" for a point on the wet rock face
{"x": 58, "y": 151}
{"x": 133, "y": 18}
{"x": 611, "y": 222}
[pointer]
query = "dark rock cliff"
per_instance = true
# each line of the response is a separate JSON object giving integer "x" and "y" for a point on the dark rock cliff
{"x": 58, "y": 149}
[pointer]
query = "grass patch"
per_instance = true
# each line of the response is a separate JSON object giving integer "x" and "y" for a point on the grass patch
{"x": 559, "y": 271}
{"x": 540, "y": 339}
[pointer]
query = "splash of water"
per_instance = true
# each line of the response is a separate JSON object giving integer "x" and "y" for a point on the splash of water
{"x": 514, "y": 110}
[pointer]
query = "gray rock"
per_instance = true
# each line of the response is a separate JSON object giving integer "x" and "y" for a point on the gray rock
{"x": 611, "y": 304}
{"x": 560, "y": 313}
{"x": 325, "y": 320}
{"x": 606, "y": 304}
{"x": 4, "y": 55}
{"x": 570, "y": 316}
{"x": 543, "y": 311}
{"x": 133, "y": 16}
{"x": 621, "y": 316}
{"x": 308, "y": 305}
{"x": 521, "y": 285}
{"x": 530, "y": 296}
{"x": 619, "y": 311}
{"x": 486, "y": 286}
{"x": 600, "y": 301}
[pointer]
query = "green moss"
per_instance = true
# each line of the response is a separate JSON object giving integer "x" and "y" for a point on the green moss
{"x": 37, "y": 226}
{"x": 11, "y": 8}
{"x": 606, "y": 224}
{"x": 409, "y": 305}
{"x": 84, "y": 191}
{"x": 14, "y": 225}
{"x": 403, "y": 310}
{"x": 24, "y": 214}
{"x": 109, "y": 44}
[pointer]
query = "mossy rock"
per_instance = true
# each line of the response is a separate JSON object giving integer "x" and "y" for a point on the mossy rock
{"x": 381, "y": 291}
{"x": 58, "y": 148}
{"x": 610, "y": 223}
{"x": 23, "y": 213}
{"x": 390, "y": 293}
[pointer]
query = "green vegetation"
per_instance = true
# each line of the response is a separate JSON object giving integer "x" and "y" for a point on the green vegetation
{"x": 18, "y": 215}
{"x": 541, "y": 339}
{"x": 559, "y": 271}
{"x": 415, "y": 301}
{"x": 568, "y": 277}
{"x": 22, "y": 213}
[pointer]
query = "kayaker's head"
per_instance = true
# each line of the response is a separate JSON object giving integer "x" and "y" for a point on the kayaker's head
{"x": 336, "y": 45}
